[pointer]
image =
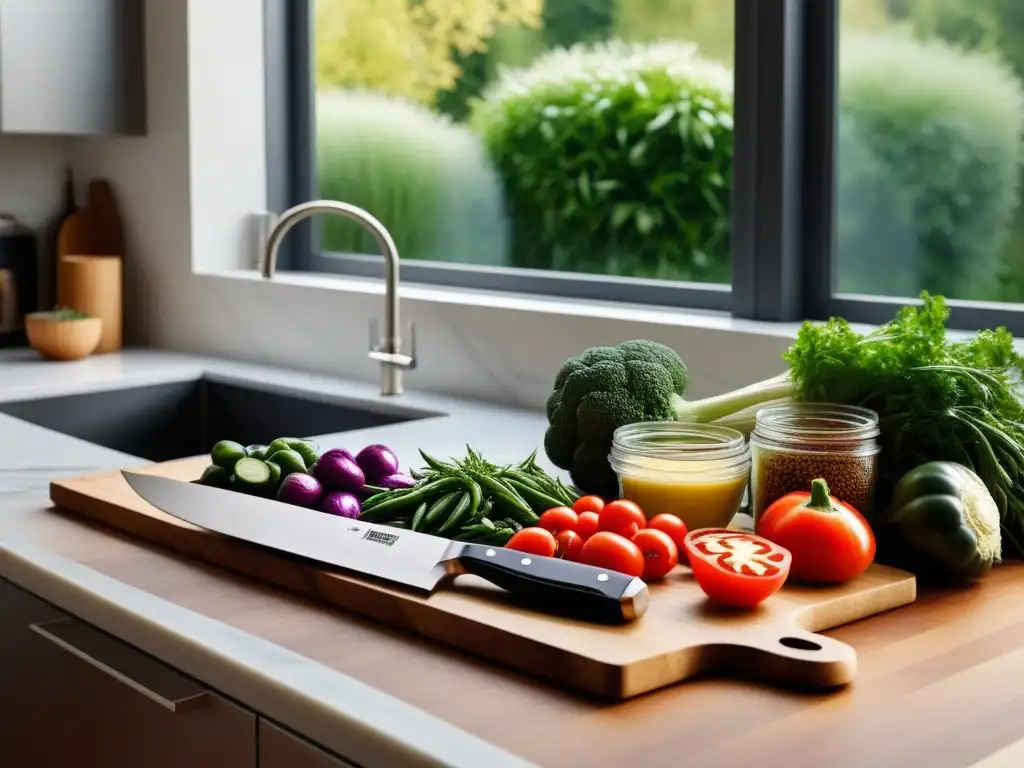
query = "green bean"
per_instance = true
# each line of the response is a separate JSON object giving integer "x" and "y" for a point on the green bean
{"x": 512, "y": 500}
{"x": 506, "y": 508}
{"x": 536, "y": 499}
{"x": 393, "y": 507}
{"x": 467, "y": 536}
{"x": 464, "y": 506}
{"x": 500, "y": 537}
{"x": 487, "y": 521}
{"x": 439, "y": 507}
{"x": 417, "y": 518}
{"x": 386, "y": 495}
{"x": 477, "y": 529}
{"x": 516, "y": 526}
{"x": 568, "y": 493}
{"x": 524, "y": 479}
{"x": 436, "y": 464}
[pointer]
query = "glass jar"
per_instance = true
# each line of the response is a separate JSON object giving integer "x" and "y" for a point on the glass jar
{"x": 795, "y": 443}
{"x": 697, "y": 472}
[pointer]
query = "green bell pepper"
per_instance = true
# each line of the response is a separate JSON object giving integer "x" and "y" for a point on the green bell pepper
{"x": 942, "y": 523}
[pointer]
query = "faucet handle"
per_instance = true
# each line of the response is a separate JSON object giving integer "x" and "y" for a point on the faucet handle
{"x": 378, "y": 348}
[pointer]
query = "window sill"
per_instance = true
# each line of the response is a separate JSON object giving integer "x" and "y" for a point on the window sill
{"x": 668, "y": 317}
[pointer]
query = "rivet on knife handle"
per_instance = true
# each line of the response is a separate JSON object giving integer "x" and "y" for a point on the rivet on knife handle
{"x": 563, "y": 587}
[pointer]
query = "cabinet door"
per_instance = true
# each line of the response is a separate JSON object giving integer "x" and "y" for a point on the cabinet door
{"x": 72, "y": 67}
{"x": 74, "y": 696}
{"x": 281, "y": 749}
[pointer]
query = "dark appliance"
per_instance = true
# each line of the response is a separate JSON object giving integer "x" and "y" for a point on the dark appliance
{"x": 18, "y": 267}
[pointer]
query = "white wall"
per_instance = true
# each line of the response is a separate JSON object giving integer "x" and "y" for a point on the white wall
{"x": 31, "y": 177}
{"x": 185, "y": 190}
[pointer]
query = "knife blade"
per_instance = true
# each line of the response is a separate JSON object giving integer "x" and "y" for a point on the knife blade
{"x": 413, "y": 559}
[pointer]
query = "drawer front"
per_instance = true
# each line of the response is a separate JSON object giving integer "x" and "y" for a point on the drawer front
{"x": 76, "y": 696}
{"x": 281, "y": 749}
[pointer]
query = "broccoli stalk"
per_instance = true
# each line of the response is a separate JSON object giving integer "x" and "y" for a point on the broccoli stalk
{"x": 608, "y": 387}
{"x": 743, "y": 401}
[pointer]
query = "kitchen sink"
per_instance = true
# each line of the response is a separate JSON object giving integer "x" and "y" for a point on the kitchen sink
{"x": 171, "y": 421}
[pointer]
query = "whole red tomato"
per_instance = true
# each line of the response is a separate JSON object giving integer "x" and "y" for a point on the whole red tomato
{"x": 831, "y": 542}
{"x": 660, "y": 553}
{"x": 588, "y": 525}
{"x": 622, "y": 517}
{"x": 588, "y": 504}
{"x": 534, "y": 541}
{"x": 609, "y": 550}
{"x": 559, "y": 519}
{"x": 674, "y": 527}
{"x": 569, "y": 544}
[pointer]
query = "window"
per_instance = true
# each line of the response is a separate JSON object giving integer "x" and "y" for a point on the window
{"x": 929, "y": 150}
{"x": 778, "y": 159}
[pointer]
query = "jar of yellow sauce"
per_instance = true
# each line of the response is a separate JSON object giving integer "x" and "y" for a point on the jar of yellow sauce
{"x": 697, "y": 472}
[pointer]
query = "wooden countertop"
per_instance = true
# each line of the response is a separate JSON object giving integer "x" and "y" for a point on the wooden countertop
{"x": 940, "y": 682}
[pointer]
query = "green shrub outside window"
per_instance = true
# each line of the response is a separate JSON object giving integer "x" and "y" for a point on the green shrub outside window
{"x": 615, "y": 159}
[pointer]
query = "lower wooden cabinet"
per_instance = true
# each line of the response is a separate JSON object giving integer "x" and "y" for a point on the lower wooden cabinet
{"x": 71, "y": 695}
{"x": 281, "y": 749}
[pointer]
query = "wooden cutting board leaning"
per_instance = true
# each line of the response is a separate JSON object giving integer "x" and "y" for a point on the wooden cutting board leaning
{"x": 90, "y": 253}
{"x": 681, "y": 635}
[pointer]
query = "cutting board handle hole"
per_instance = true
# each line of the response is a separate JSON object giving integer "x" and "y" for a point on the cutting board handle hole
{"x": 800, "y": 644}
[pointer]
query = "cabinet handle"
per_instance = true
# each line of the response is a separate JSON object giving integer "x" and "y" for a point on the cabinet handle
{"x": 179, "y": 693}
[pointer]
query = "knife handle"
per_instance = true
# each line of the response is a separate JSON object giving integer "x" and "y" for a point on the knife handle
{"x": 564, "y": 587}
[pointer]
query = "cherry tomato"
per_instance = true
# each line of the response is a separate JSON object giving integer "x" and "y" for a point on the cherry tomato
{"x": 609, "y": 550}
{"x": 736, "y": 568}
{"x": 588, "y": 504}
{"x": 830, "y": 541}
{"x": 673, "y": 526}
{"x": 534, "y": 541}
{"x": 588, "y": 525}
{"x": 660, "y": 553}
{"x": 622, "y": 517}
{"x": 559, "y": 519}
{"x": 569, "y": 545}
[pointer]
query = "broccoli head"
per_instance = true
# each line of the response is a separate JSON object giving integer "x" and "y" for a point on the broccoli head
{"x": 601, "y": 390}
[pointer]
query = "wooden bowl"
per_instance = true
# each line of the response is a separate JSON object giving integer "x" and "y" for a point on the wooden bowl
{"x": 63, "y": 339}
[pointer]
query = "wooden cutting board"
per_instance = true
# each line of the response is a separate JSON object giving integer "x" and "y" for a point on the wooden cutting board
{"x": 680, "y": 636}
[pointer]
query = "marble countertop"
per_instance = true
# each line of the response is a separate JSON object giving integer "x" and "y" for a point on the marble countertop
{"x": 32, "y": 456}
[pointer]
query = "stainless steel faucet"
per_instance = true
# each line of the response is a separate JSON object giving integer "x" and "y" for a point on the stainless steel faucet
{"x": 387, "y": 349}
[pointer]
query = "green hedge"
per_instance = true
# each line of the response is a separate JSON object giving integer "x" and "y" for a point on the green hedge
{"x": 426, "y": 179}
{"x": 929, "y": 160}
{"x": 616, "y": 159}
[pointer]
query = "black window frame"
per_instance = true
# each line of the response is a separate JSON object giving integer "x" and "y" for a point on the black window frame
{"x": 783, "y": 185}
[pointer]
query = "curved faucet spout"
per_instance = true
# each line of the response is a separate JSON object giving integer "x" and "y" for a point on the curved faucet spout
{"x": 388, "y": 349}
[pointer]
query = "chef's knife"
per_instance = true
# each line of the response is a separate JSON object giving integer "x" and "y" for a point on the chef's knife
{"x": 414, "y": 559}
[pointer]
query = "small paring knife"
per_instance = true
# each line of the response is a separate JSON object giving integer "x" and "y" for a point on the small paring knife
{"x": 413, "y": 559}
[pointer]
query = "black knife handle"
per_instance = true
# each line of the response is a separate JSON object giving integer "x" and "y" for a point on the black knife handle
{"x": 561, "y": 586}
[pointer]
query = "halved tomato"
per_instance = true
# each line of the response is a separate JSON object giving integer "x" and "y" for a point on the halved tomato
{"x": 735, "y": 567}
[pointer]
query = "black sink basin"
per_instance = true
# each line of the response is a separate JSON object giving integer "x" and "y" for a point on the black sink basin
{"x": 172, "y": 421}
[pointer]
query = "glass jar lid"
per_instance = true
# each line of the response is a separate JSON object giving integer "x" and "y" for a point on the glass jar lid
{"x": 816, "y": 425}
{"x": 672, "y": 447}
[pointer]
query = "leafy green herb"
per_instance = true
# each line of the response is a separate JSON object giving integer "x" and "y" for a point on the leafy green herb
{"x": 937, "y": 400}
{"x": 63, "y": 313}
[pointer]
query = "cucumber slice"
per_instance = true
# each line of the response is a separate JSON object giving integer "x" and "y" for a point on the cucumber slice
{"x": 256, "y": 452}
{"x": 289, "y": 461}
{"x": 253, "y": 475}
{"x": 226, "y": 453}
{"x": 216, "y": 477}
